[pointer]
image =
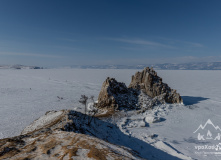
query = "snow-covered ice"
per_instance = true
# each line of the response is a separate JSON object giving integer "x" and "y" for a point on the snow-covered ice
{"x": 26, "y": 95}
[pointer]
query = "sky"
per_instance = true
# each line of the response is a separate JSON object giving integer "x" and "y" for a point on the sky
{"x": 105, "y": 32}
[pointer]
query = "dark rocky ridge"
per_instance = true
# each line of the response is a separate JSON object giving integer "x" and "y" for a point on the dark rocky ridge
{"x": 115, "y": 94}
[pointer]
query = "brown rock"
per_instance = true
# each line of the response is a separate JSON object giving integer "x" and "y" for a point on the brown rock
{"x": 152, "y": 85}
{"x": 60, "y": 145}
{"x": 115, "y": 94}
{"x": 58, "y": 135}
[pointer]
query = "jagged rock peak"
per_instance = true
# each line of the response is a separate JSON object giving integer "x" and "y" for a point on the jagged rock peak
{"x": 152, "y": 85}
{"x": 115, "y": 94}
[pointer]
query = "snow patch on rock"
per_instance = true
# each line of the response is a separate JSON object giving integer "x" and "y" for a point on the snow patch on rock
{"x": 43, "y": 121}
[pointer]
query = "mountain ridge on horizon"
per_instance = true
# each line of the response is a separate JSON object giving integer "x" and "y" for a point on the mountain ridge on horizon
{"x": 163, "y": 66}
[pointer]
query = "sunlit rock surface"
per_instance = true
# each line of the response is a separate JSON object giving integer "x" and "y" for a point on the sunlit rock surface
{"x": 153, "y": 86}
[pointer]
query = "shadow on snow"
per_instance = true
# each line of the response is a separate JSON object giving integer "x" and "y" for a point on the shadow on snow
{"x": 189, "y": 100}
{"x": 111, "y": 133}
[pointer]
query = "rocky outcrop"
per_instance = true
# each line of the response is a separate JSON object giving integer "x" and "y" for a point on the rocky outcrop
{"x": 115, "y": 94}
{"x": 152, "y": 85}
{"x": 60, "y": 145}
{"x": 65, "y": 135}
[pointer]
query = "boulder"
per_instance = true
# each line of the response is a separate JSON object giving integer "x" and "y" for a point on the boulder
{"x": 152, "y": 85}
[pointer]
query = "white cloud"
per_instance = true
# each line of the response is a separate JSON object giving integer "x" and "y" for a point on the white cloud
{"x": 142, "y": 42}
{"x": 175, "y": 41}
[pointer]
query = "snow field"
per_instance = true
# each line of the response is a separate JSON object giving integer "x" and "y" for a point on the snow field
{"x": 26, "y": 95}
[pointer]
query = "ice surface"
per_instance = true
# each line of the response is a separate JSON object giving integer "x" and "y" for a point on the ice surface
{"x": 25, "y": 95}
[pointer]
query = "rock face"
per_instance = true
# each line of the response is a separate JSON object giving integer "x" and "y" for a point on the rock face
{"x": 152, "y": 85}
{"x": 115, "y": 94}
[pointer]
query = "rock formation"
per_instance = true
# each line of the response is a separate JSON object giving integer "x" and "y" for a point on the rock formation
{"x": 152, "y": 85}
{"x": 115, "y": 94}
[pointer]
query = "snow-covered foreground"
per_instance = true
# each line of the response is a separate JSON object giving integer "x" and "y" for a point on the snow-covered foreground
{"x": 25, "y": 95}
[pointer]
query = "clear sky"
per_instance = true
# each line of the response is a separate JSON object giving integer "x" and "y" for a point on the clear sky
{"x": 79, "y": 32}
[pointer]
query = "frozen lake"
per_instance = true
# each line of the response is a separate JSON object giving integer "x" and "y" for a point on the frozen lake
{"x": 26, "y": 95}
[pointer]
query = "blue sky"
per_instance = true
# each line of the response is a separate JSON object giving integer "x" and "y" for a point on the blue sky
{"x": 79, "y": 32}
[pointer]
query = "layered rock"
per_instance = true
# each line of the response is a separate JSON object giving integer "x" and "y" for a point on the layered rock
{"x": 115, "y": 94}
{"x": 152, "y": 85}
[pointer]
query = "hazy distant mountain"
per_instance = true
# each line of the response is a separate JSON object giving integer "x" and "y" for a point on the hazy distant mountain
{"x": 18, "y": 66}
{"x": 165, "y": 66}
{"x": 190, "y": 66}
